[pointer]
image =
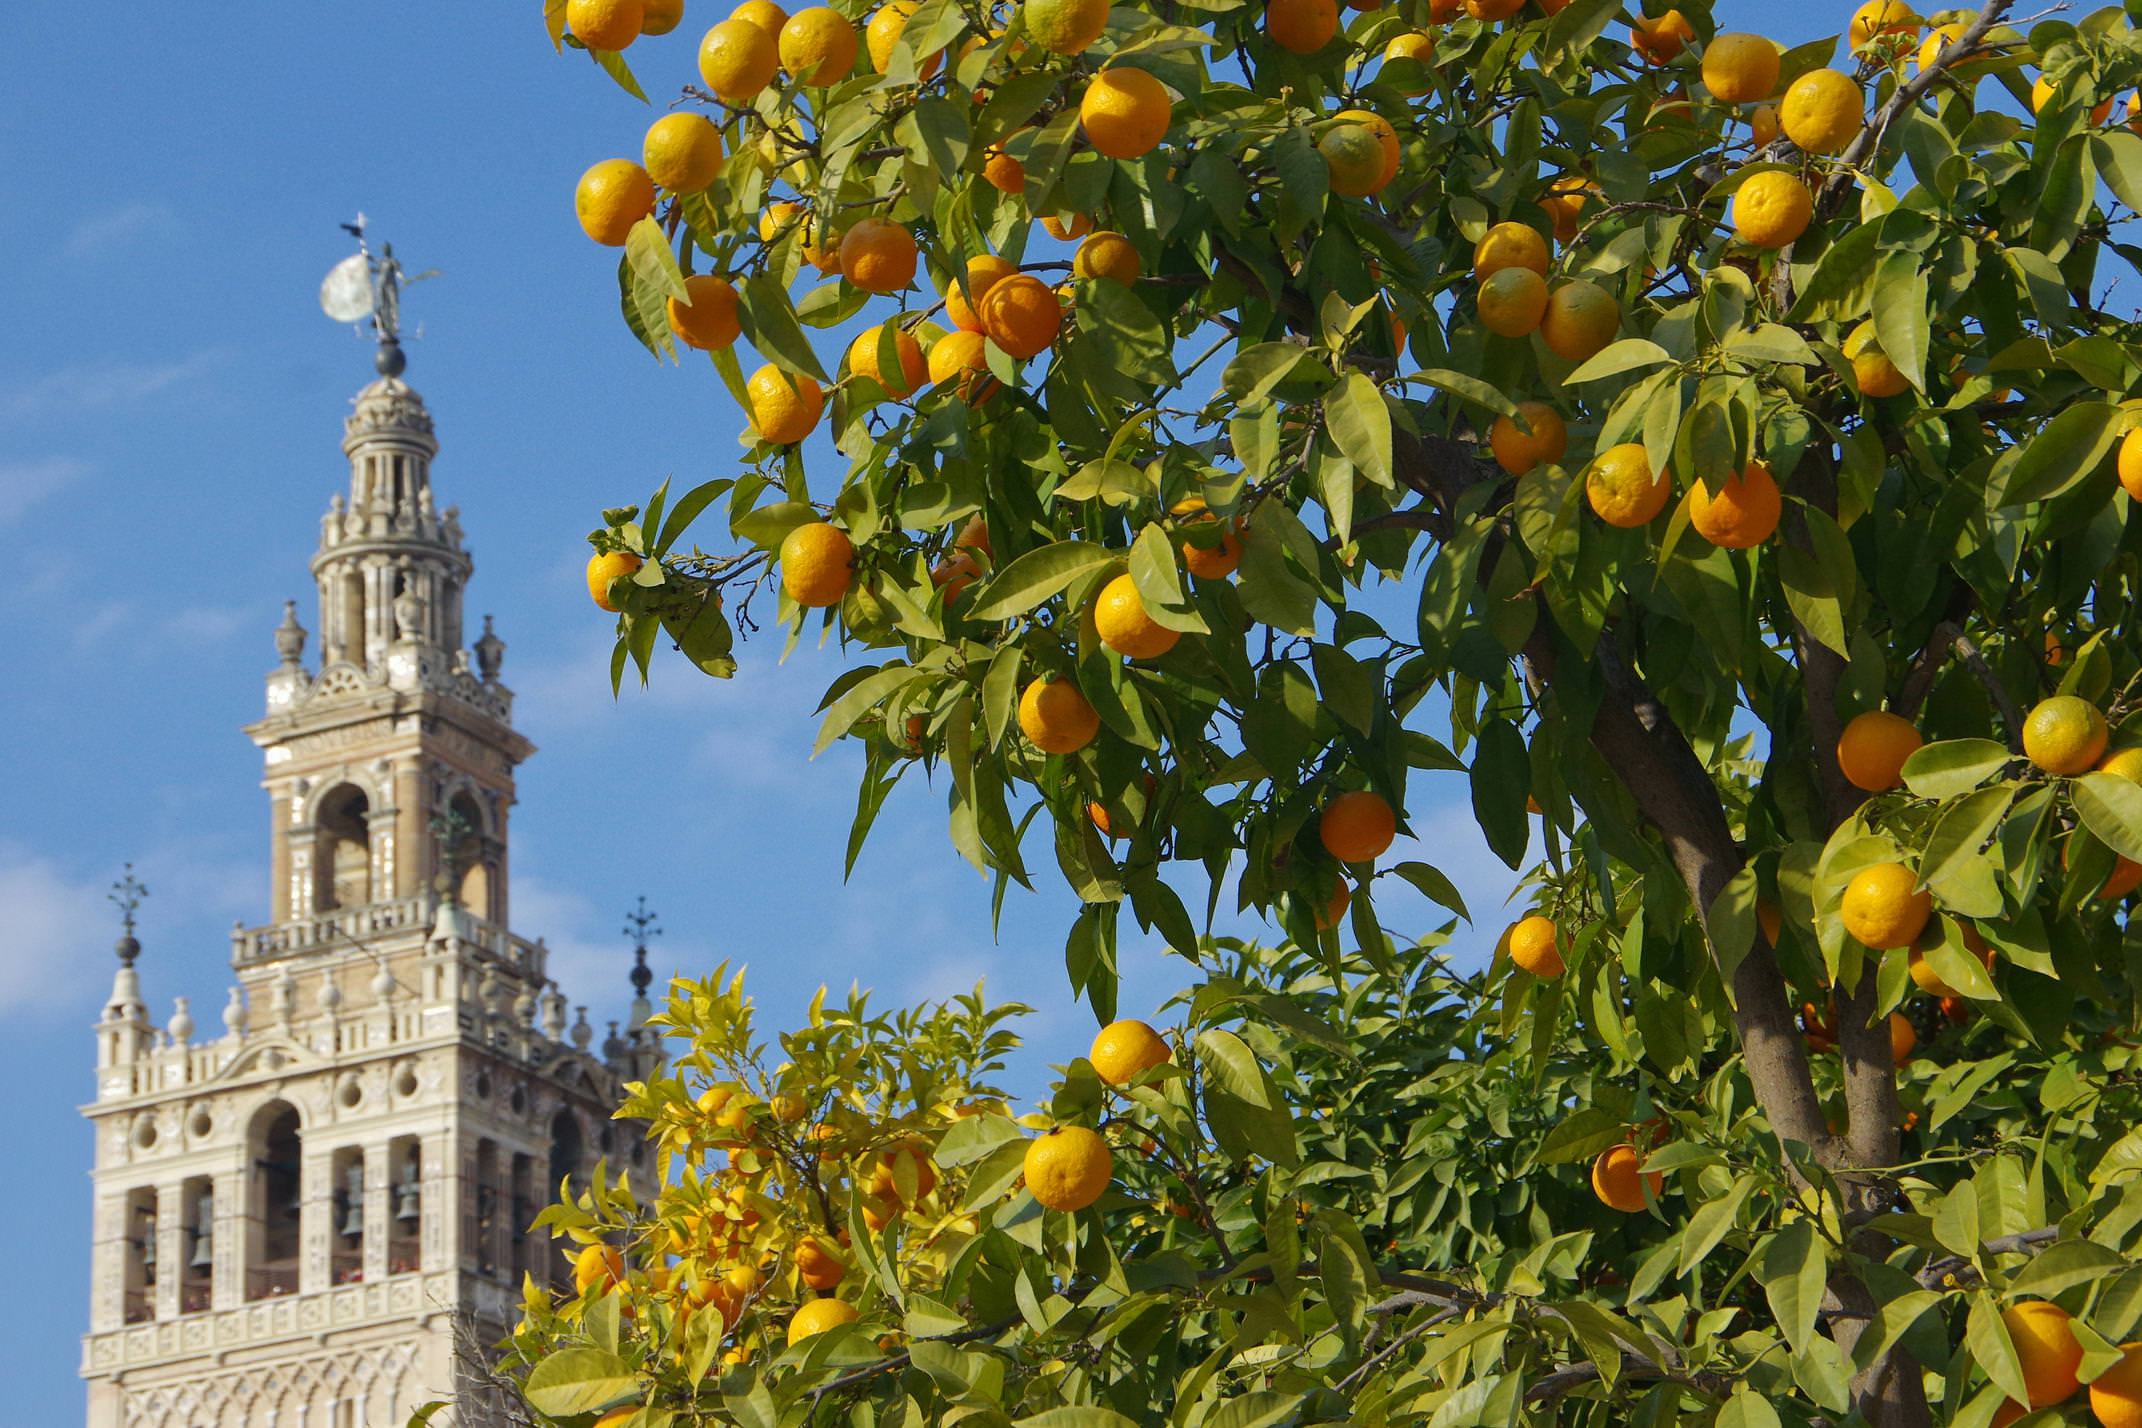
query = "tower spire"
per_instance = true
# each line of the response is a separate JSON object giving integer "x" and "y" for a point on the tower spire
{"x": 642, "y": 923}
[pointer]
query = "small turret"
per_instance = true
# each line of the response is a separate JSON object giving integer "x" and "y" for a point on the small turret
{"x": 124, "y": 1032}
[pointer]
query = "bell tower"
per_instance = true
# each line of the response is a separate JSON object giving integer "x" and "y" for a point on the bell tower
{"x": 309, "y": 1219}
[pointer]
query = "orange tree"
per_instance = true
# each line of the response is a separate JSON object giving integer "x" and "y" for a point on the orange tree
{"x": 1720, "y": 452}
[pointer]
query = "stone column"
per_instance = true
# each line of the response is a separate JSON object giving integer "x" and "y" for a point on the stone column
{"x": 316, "y": 1220}
{"x": 378, "y": 1208}
{"x": 227, "y": 1275}
{"x": 279, "y": 856}
{"x": 170, "y": 1247}
{"x": 412, "y": 858}
{"x": 107, "y": 1265}
{"x": 441, "y": 1206}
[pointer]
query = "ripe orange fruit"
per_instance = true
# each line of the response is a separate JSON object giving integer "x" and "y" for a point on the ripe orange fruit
{"x": 817, "y": 46}
{"x": 816, "y": 1316}
{"x": 1822, "y": 111}
{"x": 1880, "y": 17}
{"x": 1002, "y": 172}
{"x": 883, "y": 34}
{"x": 1125, "y": 112}
{"x": 605, "y": 24}
{"x": 1660, "y": 39}
{"x": 706, "y": 318}
{"x": 682, "y": 152}
{"x": 1739, "y": 514}
{"x": 878, "y": 256}
{"x": 1021, "y": 315}
{"x": 1517, "y": 451}
{"x": 1065, "y": 27}
{"x": 2125, "y": 877}
{"x": 1353, "y": 159}
{"x": 1212, "y": 562}
{"x": 1510, "y": 245}
{"x": 598, "y": 1265}
{"x": 2064, "y": 734}
{"x": 605, "y": 567}
{"x": 737, "y": 59}
{"x": 612, "y": 196}
{"x": 1883, "y": 906}
{"x": 1771, "y": 918}
{"x": 1512, "y": 302}
{"x": 1107, "y": 254}
{"x": 2041, "y": 90}
{"x": 784, "y": 406}
{"x": 1872, "y": 371}
{"x": 1581, "y": 318}
{"x": 1763, "y": 125}
{"x": 1357, "y": 826}
{"x": 1872, "y": 749}
{"x": 2047, "y": 1347}
{"x": 2127, "y": 763}
{"x": 1618, "y": 1183}
{"x": 1621, "y": 489}
{"x": 1301, "y": 26}
{"x": 1334, "y": 910}
{"x": 1417, "y": 47}
{"x": 1125, "y": 1050}
{"x": 2130, "y": 463}
{"x": 1386, "y": 140}
{"x": 1739, "y": 68}
{"x": 962, "y": 358}
{"x": 764, "y": 13}
{"x": 1056, "y": 716}
{"x": 1533, "y": 946}
{"x": 817, "y": 564}
{"x": 864, "y": 359}
{"x": 1772, "y": 209}
{"x": 963, "y": 299}
{"x": 659, "y": 17}
{"x": 1564, "y": 203}
{"x": 1492, "y": 10}
{"x": 817, "y": 1266}
{"x": 1121, "y": 620}
{"x": 1079, "y": 226}
{"x": 1068, "y": 1168}
{"x": 2116, "y": 1394}
{"x": 1902, "y": 1038}
{"x": 818, "y": 246}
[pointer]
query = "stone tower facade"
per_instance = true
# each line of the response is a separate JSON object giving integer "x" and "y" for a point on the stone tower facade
{"x": 303, "y": 1222}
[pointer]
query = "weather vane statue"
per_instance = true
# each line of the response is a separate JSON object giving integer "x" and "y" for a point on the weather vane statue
{"x": 367, "y": 287}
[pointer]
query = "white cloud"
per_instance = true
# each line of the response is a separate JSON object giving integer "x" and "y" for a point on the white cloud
{"x": 25, "y": 483}
{"x": 75, "y": 390}
{"x": 117, "y": 227}
{"x": 49, "y": 923}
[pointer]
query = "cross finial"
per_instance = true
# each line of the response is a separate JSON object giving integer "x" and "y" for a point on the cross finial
{"x": 127, "y": 895}
{"x": 641, "y": 924}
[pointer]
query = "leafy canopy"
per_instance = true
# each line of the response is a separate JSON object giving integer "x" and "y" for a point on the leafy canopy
{"x": 1891, "y": 404}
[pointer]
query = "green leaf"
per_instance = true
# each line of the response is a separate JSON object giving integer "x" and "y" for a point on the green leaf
{"x": 1630, "y": 354}
{"x": 858, "y": 699}
{"x": 1795, "y": 1267}
{"x": 1747, "y": 1408}
{"x": 1075, "y": 1418}
{"x": 570, "y": 1381}
{"x": 1712, "y": 1222}
{"x": 1247, "y": 1113}
{"x": 1900, "y": 320}
{"x": 647, "y": 250}
{"x": 2119, "y": 163}
{"x": 768, "y": 318}
{"x": 1986, "y": 1339}
{"x": 1254, "y": 371}
{"x": 1953, "y": 766}
{"x": 2065, "y": 451}
{"x": 2111, "y": 808}
{"x": 1037, "y": 576}
{"x": 1471, "y": 389}
{"x": 613, "y": 64}
{"x": 1360, "y": 423}
{"x": 1432, "y": 883}
{"x": 1501, "y": 781}
{"x": 1582, "y": 1135}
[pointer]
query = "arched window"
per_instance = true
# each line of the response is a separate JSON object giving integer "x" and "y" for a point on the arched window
{"x": 469, "y": 855}
{"x": 272, "y": 1203}
{"x": 344, "y": 859}
{"x": 566, "y": 1151}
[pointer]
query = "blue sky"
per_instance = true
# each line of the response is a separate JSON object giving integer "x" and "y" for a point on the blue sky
{"x": 170, "y": 408}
